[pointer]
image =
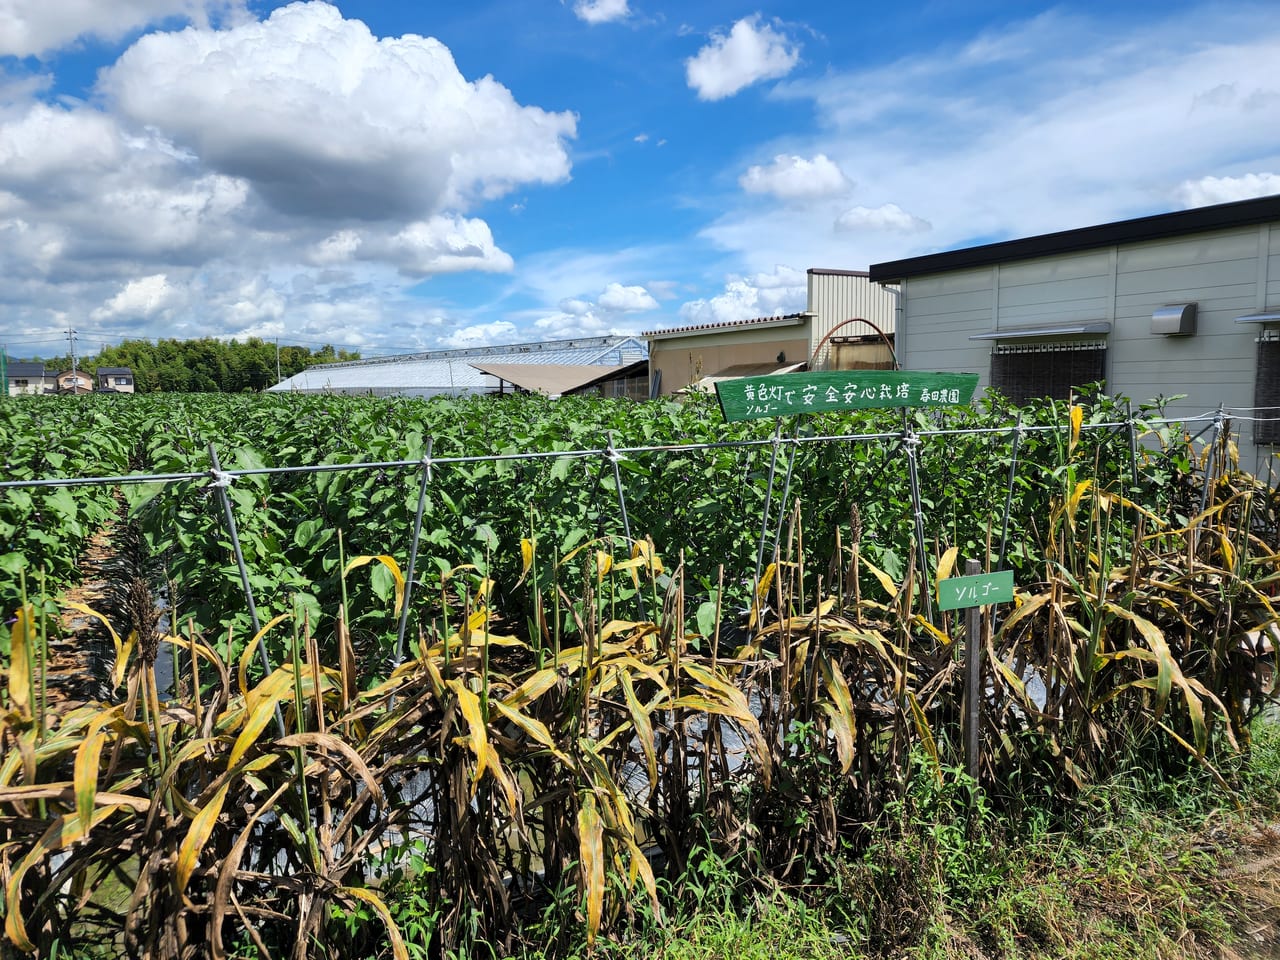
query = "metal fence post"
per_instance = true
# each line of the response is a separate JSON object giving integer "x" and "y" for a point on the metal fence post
{"x": 1008, "y": 497}
{"x": 909, "y": 443}
{"x": 768, "y": 506}
{"x": 612, "y": 456}
{"x": 1133, "y": 445}
{"x": 1210, "y": 457}
{"x": 413, "y": 553}
{"x": 221, "y": 481}
{"x": 786, "y": 494}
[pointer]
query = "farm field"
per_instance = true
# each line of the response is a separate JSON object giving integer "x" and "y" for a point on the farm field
{"x": 431, "y": 678}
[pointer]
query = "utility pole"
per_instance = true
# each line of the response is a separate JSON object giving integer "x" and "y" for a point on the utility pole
{"x": 277, "y": 359}
{"x": 4, "y": 369}
{"x": 71, "y": 339}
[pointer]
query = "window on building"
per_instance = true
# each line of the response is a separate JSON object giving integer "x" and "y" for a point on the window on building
{"x": 1266, "y": 389}
{"x": 21, "y": 383}
{"x": 1029, "y": 371}
{"x": 122, "y": 381}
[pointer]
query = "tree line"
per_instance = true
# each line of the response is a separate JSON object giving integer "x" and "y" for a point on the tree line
{"x": 206, "y": 365}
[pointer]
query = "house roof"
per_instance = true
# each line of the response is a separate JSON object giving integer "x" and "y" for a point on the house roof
{"x": 1220, "y": 216}
{"x": 553, "y": 379}
{"x": 115, "y": 372}
{"x": 824, "y": 272}
{"x": 787, "y": 320}
{"x": 24, "y": 368}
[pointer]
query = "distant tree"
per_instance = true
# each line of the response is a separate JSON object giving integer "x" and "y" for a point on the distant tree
{"x": 204, "y": 365}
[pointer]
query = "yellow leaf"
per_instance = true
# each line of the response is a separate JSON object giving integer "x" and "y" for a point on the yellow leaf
{"x": 532, "y": 689}
{"x": 642, "y": 551}
{"x": 251, "y": 647}
{"x": 259, "y": 710}
{"x": 88, "y": 755}
{"x": 643, "y": 728}
{"x": 591, "y": 849}
{"x": 1228, "y": 554}
{"x": 603, "y": 564}
{"x": 123, "y": 649}
{"x": 60, "y": 834}
{"x": 1074, "y": 500}
{"x": 534, "y": 728}
{"x": 526, "y": 555}
{"x": 22, "y": 640}
{"x": 925, "y": 734}
{"x": 1077, "y": 418}
{"x": 198, "y": 835}
{"x": 840, "y": 710}
{"x": 390, "y": 564}
{"x": 398, "y": 949}
{"x": 885, "y": 580}
{"x": 947, "y": 564}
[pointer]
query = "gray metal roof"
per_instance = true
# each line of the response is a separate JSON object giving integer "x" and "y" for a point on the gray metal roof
{"x": 450, "y": 372}
{"x": 24, "y": 368}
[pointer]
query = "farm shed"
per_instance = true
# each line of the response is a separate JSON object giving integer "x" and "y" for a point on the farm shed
{"x": 611, "y": 361}
{"x": 1177, "y": 303}
{"x": 680, "y": 357}
{"x": 23, "y": 376}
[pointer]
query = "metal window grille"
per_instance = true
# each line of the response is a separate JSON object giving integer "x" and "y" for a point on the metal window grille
{"x": 1027, "y": 371}
{"x": 1266, "y": 389}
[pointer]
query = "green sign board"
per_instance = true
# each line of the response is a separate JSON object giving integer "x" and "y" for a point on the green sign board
{"x": 784, "y": 394}
{"x": 975, "y": 591}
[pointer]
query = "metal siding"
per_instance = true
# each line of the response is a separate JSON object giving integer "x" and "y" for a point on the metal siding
{"x": 1271, "y": 278}
{"x": 835, "y": 298}
{"x": 1220, "y": 272}
{"x": 1095, "y": 264}
{"x": 940, "y": 314}
{"x": 1216, "y": 365}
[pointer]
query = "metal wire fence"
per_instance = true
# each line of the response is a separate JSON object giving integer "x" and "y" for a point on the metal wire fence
{"x": 781, "y": 450}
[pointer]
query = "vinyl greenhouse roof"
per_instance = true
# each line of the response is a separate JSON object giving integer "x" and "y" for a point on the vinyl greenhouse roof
{"x": 453, "y": 372}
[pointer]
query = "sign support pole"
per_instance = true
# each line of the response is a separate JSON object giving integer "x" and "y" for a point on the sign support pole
{"x": 973, "y": 678}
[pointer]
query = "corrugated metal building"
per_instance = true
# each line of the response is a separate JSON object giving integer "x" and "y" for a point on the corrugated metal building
{"x": 824, "y": 337}
{"x": 1178, "y": 303}
{"x": 603, "y": 366}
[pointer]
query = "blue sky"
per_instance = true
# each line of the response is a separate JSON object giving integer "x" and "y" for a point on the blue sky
{"x": 393, "y": 176}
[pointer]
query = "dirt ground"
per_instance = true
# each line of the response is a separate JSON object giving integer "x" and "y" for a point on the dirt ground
{"x": 1256, "y": 879}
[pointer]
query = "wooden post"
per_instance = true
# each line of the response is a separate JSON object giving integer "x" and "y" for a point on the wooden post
{"x": 973, "y": 677}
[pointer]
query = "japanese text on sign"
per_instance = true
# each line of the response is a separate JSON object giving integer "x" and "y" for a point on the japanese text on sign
{"x": 976, "y": 591}
{"x": 783, "y": 394}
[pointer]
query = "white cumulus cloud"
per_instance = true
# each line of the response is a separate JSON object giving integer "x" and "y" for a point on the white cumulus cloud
{"x": 1210, "y": 190}
{"x": 35, "y": 27}
{"x": 790, "y": 177}
{"x": 619, "y": 299}
{"x": 322, "y": 118}
{"x": 144, "y": 298}
{"x": 481, "y": 335}
{"x": 750, "y": 52}
{"x": 888, "y": 216}
{"x": 746, "y": 298}
{"x": 601, "y": 11}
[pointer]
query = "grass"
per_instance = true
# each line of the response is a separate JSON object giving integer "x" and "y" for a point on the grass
{"x": 1143, "y": 868}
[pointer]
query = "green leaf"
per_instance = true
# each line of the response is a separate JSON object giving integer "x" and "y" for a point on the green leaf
{"x": 707, "y": 618}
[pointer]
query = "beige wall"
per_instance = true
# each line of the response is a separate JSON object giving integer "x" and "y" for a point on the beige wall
{"x": 682, "y": 360}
